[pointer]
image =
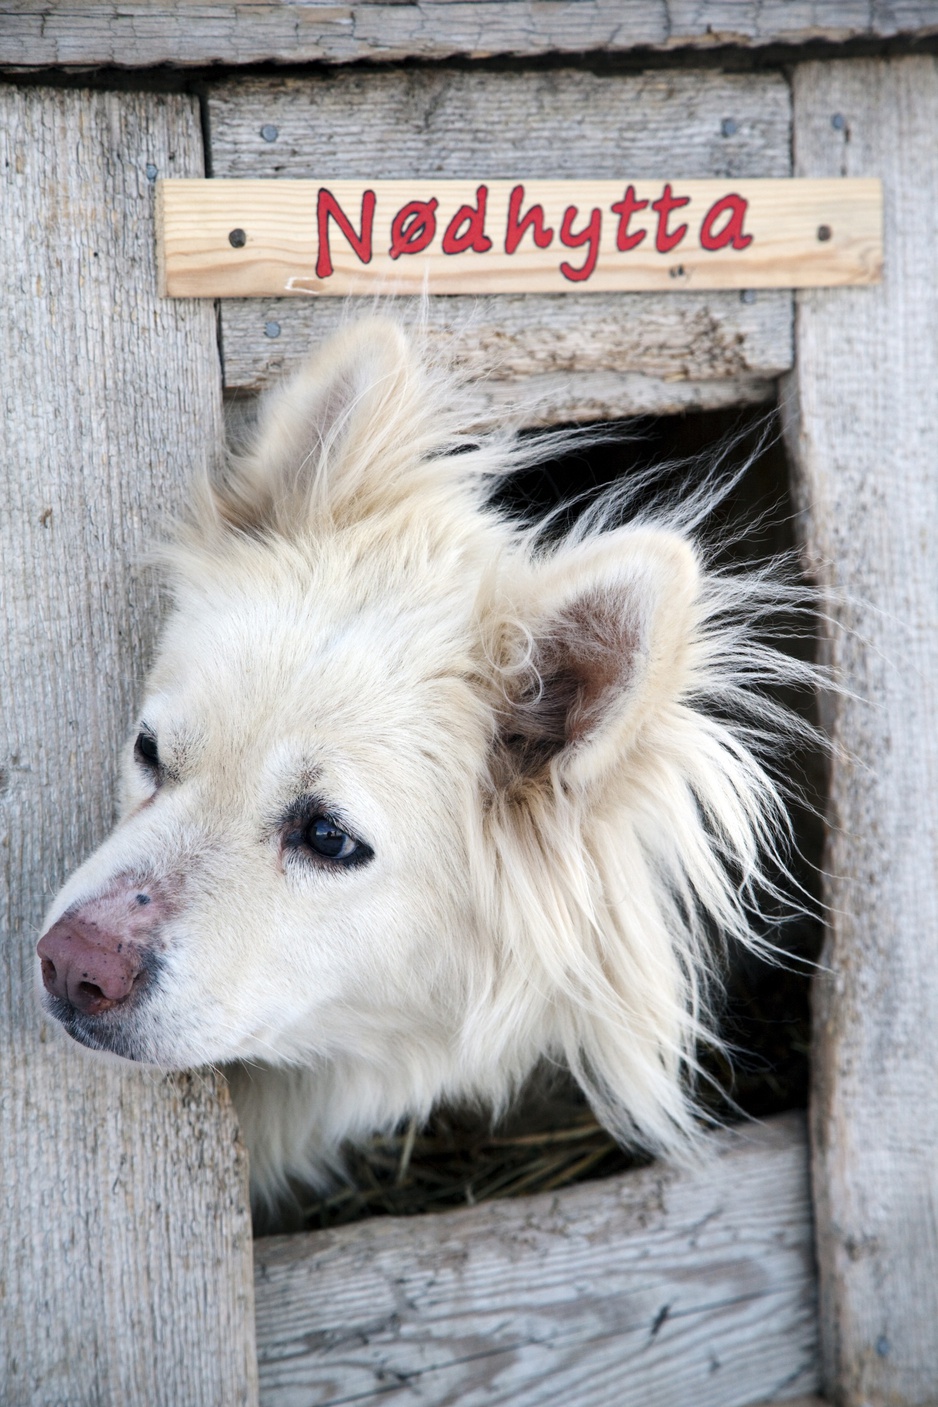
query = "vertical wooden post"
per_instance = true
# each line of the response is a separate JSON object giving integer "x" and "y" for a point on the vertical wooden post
{"x": 863, "y": 424}
{"x": 125, "y": 1254}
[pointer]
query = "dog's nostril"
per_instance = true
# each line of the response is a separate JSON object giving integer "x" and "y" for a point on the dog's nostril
{"x": 48, "y": 972}
{"x": 92, "y": 992}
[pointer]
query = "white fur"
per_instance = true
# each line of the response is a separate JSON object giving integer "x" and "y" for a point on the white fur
{"x": 351, "y": 620}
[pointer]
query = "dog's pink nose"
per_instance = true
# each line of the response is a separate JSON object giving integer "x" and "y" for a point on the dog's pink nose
{"x": 88, "y": 967}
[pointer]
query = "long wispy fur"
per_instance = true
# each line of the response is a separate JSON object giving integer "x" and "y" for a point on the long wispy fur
{"x": 577, "y": 727}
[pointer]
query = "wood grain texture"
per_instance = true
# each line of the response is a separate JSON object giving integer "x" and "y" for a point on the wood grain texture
{"x": 643, "y": 352}
{"x": 863, "y": 411}
{"x": 580, "y": 397}
{"x": 563, "y": 399}
{"x": 655, "y": 1289}
{"x": 469, "y": 241}
{"x": 125, "y": 1252}
{"x": 447, "y": 122}
{"x": 141, "y": 33}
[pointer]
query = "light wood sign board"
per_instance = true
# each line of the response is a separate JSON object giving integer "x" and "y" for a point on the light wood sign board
{"x": 265, "y": 238}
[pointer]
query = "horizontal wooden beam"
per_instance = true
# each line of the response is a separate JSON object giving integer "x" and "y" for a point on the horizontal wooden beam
{"x": 528, "y": 357}
{"x": 142, "y": 34}
{"x": 261, "y": 238}
{"x": 552, "y": 124}
{"x": 654, "y": 1289}
{"x": 674, "y": 342}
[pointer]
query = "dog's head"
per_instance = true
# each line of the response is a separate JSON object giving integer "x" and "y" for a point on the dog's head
{"x": 403, "y": 779}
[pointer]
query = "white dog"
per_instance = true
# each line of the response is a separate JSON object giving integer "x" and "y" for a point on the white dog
{"x": 415, "y": 799}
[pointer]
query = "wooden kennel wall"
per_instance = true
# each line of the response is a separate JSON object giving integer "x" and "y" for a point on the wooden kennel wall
{"x": 126, "y": 1270}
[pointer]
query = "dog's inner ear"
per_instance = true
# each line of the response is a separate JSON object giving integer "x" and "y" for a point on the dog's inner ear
{"x": 606, "y": 643}
{"x": 579, "y": 664}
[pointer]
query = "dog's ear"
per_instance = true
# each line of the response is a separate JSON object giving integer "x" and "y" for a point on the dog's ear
{"x": 602, "y": 643}
{"x": 336, "y": 436}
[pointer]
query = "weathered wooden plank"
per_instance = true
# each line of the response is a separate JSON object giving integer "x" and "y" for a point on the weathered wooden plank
{"x": 655, "y": 1289}
{"x": 576, "y": 396}
{"x": 442, "y": 122}
{"x": 261, "y": 238}
{"x": 643, "y": 354}
{"x": 140, "y": 33}
{"x": 125, "y": 1253}
{"x": 862, "y": 415}
{"x": 649, "y": 350}
{"x": 568, "y": 398}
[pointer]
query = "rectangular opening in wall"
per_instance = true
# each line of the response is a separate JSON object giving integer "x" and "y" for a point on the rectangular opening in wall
{"x": 550, "y": 1139}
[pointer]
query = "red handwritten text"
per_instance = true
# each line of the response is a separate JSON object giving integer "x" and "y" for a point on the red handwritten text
{"x": 327, "y": 206}
{"x": 415, "y": 225}
{"x": 518, "y": 224}
{"x": 466, "y": 230}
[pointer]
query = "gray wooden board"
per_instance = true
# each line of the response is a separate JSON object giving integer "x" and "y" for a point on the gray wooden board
{"x": 654, "y": 1289}
{"x": 141, "y": 33}
{"x": 565, "y": 357}
{"x": 863, "y": 428}
{"x": 565, "y": 398}
{"x": 455, "y": 122}
{"x": 125, "y": 1251}
{"x": 576, "y": 355}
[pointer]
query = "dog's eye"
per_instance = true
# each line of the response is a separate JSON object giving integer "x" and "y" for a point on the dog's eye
{"x": 310, "y": 832}
{"x": 327, "y": 839}
{"x": 146, "y": 752}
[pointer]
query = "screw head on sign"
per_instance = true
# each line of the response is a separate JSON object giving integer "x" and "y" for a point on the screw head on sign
{"x": 269, "y": 132}
{"x": 271, "y": 329}
{"x": 824, "y": 233}
{"x": 237, "y": 239}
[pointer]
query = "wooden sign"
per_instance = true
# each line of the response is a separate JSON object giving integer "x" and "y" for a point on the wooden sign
{"x": 265, "y": 238}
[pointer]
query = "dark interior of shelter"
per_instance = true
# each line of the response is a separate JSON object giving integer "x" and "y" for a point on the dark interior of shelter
{"x": 550, "y": 1139}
